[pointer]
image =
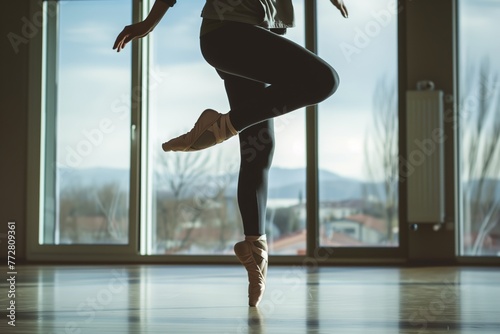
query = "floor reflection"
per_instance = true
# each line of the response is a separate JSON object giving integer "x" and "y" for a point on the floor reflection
{"x": 256, "y": 323}
{"x": 213, "y": 299}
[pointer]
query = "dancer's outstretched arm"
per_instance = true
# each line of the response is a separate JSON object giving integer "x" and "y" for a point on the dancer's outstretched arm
{"x": 340, "y": 6}
{"x": 141, "y": 29}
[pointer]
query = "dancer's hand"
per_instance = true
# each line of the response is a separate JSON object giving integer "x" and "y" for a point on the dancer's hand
{"x": 131, "y": 32}
{"x": 142, "y": 28}
{"x": 340, "y": 6}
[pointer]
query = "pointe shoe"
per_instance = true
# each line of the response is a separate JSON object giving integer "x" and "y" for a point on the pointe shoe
{"x": 211, "y": 128}
{"x": 255, "y": 261}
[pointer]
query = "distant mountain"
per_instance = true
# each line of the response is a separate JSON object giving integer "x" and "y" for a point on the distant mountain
{"x": 291, "y": 183}
{"x": 279, "y": 177}
{"x": 283, "y": 182}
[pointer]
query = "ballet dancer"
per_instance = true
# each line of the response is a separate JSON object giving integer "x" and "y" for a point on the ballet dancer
{"x": 265, "y": 75}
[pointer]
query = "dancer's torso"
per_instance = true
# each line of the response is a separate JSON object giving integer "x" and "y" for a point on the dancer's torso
{"x": 264, "y": 13}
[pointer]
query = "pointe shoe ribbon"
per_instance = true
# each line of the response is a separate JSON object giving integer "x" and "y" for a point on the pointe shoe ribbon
{"x": 257, "y": 272}
{"x": 209, "y": 121}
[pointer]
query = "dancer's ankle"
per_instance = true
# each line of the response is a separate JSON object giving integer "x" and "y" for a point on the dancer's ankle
{"x": 231, "y": 123}
{"x": 255, "y": 237}
{"x": 260, "y": 242}
{"x": 208, "y": 137}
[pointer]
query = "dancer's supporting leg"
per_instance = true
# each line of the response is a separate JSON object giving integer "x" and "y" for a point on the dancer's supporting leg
{"x": 256, "y": 153}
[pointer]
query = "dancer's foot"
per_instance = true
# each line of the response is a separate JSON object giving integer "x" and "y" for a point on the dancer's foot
{"x": 211, "y": 128}
{"x": 252, "y": 253}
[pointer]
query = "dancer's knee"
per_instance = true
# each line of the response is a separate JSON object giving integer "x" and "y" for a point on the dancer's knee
{"x": 325, "y": 83}
{"x": 257, "y": 149}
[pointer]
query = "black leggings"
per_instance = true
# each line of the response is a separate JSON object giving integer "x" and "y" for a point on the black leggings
{"x": 265, "y": 75}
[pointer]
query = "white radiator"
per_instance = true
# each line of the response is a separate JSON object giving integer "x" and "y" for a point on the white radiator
{"x": 424, "y": 166}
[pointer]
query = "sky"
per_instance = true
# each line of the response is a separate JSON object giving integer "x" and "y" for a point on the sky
{"x": 94, "y": 81}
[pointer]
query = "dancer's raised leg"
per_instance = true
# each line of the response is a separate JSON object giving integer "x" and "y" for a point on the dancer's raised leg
{"x": 296, "y": 78}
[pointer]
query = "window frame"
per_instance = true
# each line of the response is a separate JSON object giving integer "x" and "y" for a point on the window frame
{"x": 39, "y": 127}
{"x": 40, "y": 120}
{"x": 43, "y": 62}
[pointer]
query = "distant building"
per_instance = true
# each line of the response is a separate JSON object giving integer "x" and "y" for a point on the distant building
{"x": 362, "y": 228}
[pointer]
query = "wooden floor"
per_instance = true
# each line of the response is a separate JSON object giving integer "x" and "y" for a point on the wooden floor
{"x": 212, "y": 299}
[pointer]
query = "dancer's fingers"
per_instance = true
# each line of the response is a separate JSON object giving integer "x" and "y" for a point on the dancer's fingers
{"x": 341, "y": 7}
{"x": 344, "y": 11}
{"x": 119, "y": 42}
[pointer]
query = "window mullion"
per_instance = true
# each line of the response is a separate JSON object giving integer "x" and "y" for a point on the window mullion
{"x": 138, "y": 99}
{"x": 50, "y": 203}
{"x": 312, "y": 207}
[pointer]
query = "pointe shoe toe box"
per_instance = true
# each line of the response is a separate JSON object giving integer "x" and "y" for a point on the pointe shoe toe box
{"x": 208, "y": 121}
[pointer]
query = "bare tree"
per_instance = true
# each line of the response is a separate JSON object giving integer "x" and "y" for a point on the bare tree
{"x": 480, "y": 134}
{"x": 225, "y": 175}
{"x": 74, "y": 201}
{"x": 112, "y": 205}
{"x": 176, "y": 176}
{"x": 195, "y": 191}
{"x": 108, "y": 202}
{"x": 381, "y": 156}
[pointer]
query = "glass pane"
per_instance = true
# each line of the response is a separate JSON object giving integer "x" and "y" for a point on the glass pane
{"x": 193, "y": 206}
{"x": 87, "y": 126}
{"x": 479, "y": 120}
{"x": 358, "y": 126}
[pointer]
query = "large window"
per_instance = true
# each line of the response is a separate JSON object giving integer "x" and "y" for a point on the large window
{"x": 106, "y": 181}
{"x": 192, "y": 196}
{"x": 87, "y": 117}
{"x": 358, "y": 127}
{"x": 186, "y": 202}
{"x": 479, "y": 123}
{"x": 100, "y": 183}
